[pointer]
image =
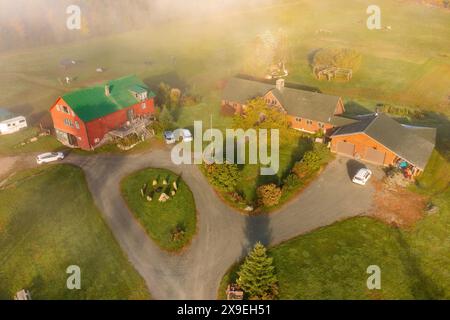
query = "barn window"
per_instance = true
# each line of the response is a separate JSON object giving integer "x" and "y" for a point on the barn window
{"x": 77, "y": 125}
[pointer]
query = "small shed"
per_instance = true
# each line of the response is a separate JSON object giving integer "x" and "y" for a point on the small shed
{"x": 234, "y": 292}
{"x": 23, "y": 295}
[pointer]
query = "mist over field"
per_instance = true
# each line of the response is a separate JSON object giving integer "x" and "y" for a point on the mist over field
{"x": 25, "y": 23}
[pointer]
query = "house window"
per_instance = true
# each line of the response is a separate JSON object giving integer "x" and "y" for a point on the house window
{"x": 298, "y": 119}
{"x": 309, "y": 122}
{"x": 77, "y": 125}
{"x": 66, "y": 110}
{"x": 143, "y": 106}
{"x": 58, "y": 108}
{"x": 321, "y": 125}
{"x": 68, "y": 123}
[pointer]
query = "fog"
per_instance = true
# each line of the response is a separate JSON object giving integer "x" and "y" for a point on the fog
{"x": 25, "y": 23}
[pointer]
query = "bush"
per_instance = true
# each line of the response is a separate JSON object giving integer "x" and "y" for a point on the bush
{"x": 338, "y": 57}
{"x": 312, "y": 161}
{"x": 224, "y": 176}
{"x": 401, "y": 111}
{"x": 269, "y": 194}
{"x": 291, "y": 182}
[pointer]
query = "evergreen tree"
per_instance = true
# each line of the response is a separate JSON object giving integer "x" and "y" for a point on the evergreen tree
{"x": 166, "y": 119}
{"x": 257, "y": 275}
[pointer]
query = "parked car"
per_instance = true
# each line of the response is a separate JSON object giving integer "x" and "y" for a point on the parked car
{"x": 186, "y": 135}
{"x": 49, "y": 157}
{"x": 169, "y": 137}
{"x": 362, "y": 176}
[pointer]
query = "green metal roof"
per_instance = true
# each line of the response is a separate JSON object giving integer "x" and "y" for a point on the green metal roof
{"x": 92, "y": 103}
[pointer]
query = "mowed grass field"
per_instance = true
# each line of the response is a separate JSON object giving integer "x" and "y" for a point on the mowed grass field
{"x": 331, "y": 262}
{"x": 407, "y": 65}
{"x": 48, "y": 221}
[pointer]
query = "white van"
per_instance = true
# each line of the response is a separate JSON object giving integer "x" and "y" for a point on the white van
{"x": 12, "y": 125}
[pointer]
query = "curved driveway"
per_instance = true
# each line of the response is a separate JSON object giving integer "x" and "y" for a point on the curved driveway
{"x": 223, "y": 235}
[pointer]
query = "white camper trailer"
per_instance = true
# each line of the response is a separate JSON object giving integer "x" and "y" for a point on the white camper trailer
{"x": 12, "y": 125}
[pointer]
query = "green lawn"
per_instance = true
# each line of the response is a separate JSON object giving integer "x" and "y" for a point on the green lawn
{"x": 48, "y": 221}
{"x": 331, "y": 263}
{"x": 403, "y": 66}
{"x": 12, "y": 143}
{"x": 161, "y": 219}
{"x": 399, "y": 66}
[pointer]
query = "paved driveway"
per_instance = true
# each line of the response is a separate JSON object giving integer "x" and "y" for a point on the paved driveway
{"x": 223, "y": 236}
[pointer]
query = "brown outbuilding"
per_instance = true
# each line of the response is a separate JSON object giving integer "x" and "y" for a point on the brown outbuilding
{"x": 381, "y": 140}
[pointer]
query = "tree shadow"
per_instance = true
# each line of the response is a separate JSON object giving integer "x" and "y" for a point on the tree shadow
{"x": 353, "y": 108}
{"x": 171, "y": 78}
{"x": 422, "y": 286}
{"x": 437, "y": 120}
{"x": 257, "y": 229}
{"x": 353, "y": 167}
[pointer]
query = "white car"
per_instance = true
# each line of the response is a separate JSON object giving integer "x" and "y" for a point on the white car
{"x": 186, "y": 135}
{"x": 49, "y": 157}
{"x": 362, "y": 176}
{"x": 169, "y": 137}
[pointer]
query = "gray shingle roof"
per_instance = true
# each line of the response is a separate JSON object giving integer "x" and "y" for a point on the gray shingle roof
{"x": 413, "y": 144}
{"x": 299, "y": 103}
{"x": 242, "y": 90}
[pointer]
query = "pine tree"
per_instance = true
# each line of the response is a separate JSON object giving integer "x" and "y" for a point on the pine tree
{"x": 257, "y": 275}
{"x": 166, "y": 118}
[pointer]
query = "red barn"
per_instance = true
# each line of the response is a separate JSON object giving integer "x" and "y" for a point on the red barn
{"x": 83, "y": 118}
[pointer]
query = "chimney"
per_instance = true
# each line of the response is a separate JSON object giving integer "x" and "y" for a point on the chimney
{"x": 107, "y": 90}
{"x": 280, "y": 84}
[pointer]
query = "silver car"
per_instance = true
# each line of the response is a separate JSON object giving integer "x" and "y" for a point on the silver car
{"x": 49, "y": 157}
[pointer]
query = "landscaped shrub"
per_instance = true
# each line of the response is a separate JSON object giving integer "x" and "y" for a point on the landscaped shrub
{"x": 338, "y": 57}
{"x": 291, "y": 182}
{"x": 311, "y": 161}
{"x": 224, "y": 176}
{"x": 178, "y": 233}
{"x": 401, "y": 111}
{"x": 269, "y": 194}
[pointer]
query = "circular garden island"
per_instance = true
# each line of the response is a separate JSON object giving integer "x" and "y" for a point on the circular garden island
{"x": 163, "y": 204}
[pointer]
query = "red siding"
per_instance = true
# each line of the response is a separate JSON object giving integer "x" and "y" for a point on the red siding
{"x": 58, "y": 123}
{"x": 97, "y": 128}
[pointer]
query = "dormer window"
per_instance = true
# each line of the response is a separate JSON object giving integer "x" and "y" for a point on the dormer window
{"x": 65, "y": 109}
{"x": 139, "y": 93}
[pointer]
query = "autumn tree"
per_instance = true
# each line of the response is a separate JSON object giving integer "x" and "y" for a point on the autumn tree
{"x": 257, "y": 276}
{"x": 259, "y": 115}
{"x": 269, "y": 194}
